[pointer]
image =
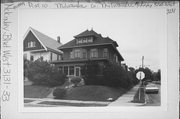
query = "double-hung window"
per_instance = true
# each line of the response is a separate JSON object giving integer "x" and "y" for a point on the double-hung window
{"x": 84, "y": 53}
{"x": 105, "y": 53}
{"x": 77, "y": 53}
{"x": 94, "y": 53}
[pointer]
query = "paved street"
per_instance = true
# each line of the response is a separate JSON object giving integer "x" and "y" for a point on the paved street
{"x": 154, "y": 99}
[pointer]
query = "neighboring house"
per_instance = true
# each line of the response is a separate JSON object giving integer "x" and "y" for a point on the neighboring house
{"x": 38, "y": 45}
{"x": 87, "y": 46}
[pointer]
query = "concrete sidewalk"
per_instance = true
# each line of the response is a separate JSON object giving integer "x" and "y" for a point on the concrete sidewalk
{"x": 125, "y": 100}
{"x": 37, "y": 102}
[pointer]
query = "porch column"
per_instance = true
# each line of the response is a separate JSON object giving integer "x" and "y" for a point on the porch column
{"x": 68, "y": 70}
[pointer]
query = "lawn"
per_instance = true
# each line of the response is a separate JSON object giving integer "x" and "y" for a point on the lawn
{"x": 82, "y": 93}
{"x": 36, "y": 91}
{"x": 93, "y": 93}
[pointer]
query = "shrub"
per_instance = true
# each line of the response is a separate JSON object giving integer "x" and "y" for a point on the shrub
{"x": 59, "y": 93}
{"x": 90, "y": 73}
{"x": 113, "y": 75}
{"x": 116, "y": 76}
{"x": 43, "y": 73}
{"x": 76, "y": 80}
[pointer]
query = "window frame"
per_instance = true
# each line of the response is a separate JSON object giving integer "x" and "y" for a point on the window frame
{"x": 94, "y": 53}
{"x": 77, "y": 53}
{"x": 105, "y": 53}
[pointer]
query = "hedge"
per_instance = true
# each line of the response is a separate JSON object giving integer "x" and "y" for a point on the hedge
{"x": 113, "y": 75}
{"x": 43, "y": 73}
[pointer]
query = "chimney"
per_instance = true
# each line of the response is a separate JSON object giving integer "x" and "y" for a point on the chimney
{"x": 59, "y": 39}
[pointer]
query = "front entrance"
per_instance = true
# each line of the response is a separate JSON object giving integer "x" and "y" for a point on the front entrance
{"x": 77, "y": 71}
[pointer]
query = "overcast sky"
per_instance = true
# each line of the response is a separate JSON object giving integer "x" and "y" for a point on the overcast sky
{"x": 137, "y": 31}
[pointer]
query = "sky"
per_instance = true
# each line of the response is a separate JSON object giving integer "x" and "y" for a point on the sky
{"x": 138, "y": 32}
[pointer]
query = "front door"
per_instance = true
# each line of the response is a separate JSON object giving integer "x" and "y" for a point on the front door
{"x": 77, "y": 71}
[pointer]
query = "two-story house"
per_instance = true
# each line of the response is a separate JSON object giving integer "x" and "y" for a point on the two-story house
{"x": 87, "y": 46}
{"x": 38, "y": 45}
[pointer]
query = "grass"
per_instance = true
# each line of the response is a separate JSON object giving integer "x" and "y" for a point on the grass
{"x": 36, "y": 91}
{"x": 93, "y": 93}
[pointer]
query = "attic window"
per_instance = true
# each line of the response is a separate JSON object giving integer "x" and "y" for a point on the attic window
{"x": 31, "y": 44}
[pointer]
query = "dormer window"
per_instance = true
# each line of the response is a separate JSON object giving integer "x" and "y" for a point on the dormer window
{"x": 84, "y": 40}
{"x": 90, "y": 40}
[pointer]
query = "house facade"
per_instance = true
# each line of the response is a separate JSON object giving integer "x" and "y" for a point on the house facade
{"x": 87, "y": 46}
{"x": 37, "y": 45}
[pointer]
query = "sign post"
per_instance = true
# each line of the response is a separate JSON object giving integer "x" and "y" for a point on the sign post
{"x": 140, "y": 95}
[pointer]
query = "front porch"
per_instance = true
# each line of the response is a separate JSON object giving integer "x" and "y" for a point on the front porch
{"x": 75, "y": 67}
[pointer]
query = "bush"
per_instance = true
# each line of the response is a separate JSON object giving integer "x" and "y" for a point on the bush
{"x": 116, "y": 76}
{"x": 113, "y": 75}
{"x": 43, "y": 73}
{"x": 59, "y": 93}
{"x": 90, "y": 73}
{"x": 76, "y": 80}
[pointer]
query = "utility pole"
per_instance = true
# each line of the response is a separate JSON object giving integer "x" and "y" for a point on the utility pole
{"x": 142, "y": 61}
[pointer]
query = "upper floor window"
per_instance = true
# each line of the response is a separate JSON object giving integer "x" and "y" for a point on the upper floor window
{"x": 116, "y": 58}
{"x": 77, "y": 53}
{"x": 84, "y": 53}
{"x": 94, "y": 53}
{"x": 31, "y": 44}
{"x": 71, "y": 55}
{"x": 59, "y": 57}
{"x": 105, "y": 52}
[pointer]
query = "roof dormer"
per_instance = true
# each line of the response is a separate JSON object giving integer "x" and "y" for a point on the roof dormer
{"x": 82, "y": 40}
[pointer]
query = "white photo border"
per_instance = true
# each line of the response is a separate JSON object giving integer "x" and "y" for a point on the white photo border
{"x": 166, "y": 64}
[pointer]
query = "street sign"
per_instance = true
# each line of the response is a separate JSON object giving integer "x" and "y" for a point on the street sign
{"x": 140, "y": 75}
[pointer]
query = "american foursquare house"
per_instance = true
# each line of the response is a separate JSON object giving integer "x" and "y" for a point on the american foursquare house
{"x": 72, "y": 56}
{"x": 87, "y": 46}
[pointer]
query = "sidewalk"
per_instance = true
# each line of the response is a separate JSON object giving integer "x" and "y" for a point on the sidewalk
{"x": 125, "y": 100}
{"x": 37, "y": 102}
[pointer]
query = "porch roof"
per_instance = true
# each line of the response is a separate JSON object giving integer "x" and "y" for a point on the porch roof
{"x": 78, "y": 60}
